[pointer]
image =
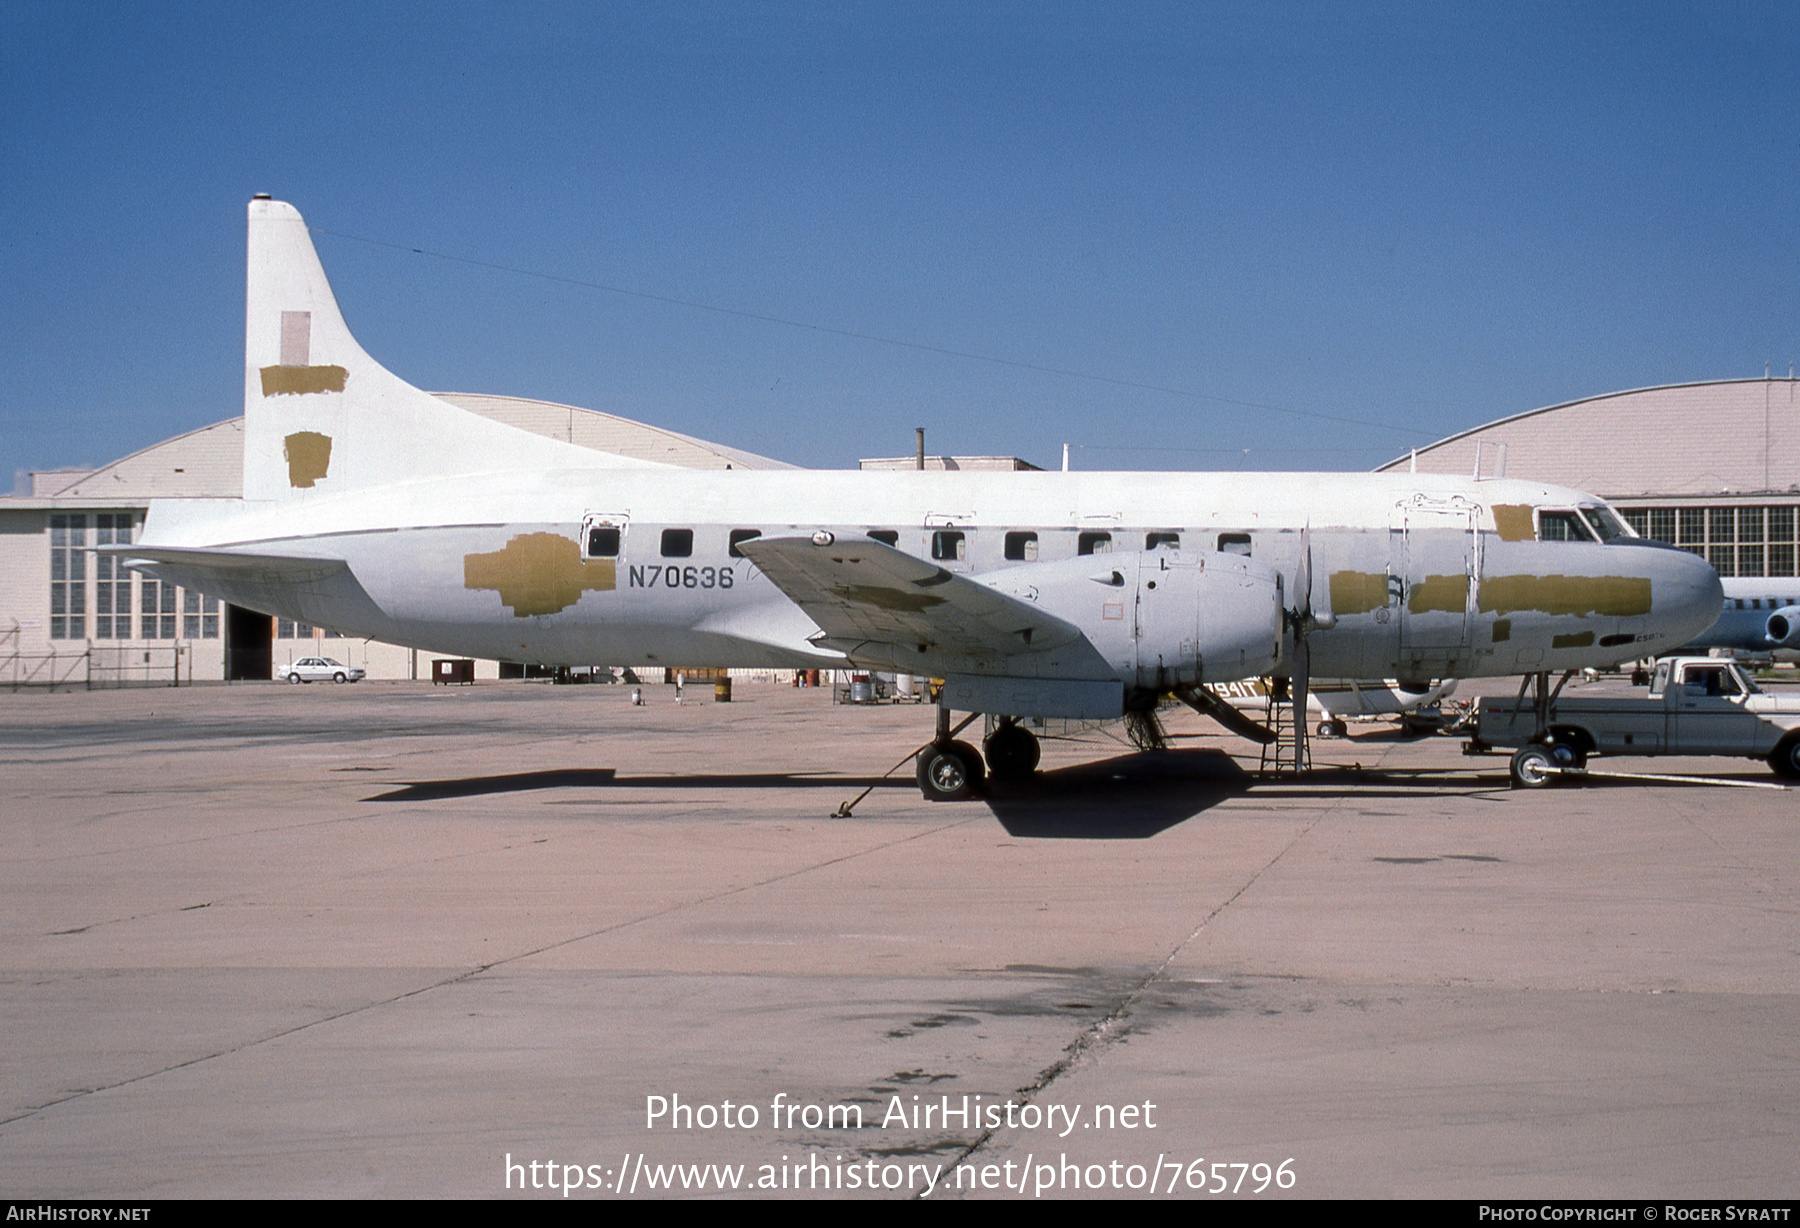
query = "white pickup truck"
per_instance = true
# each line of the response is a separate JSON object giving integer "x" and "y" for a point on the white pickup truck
{"x": 1697, "y": 706}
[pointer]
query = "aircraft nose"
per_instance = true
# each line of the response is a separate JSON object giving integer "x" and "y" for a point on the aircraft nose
{"x": 1686, "y": 595}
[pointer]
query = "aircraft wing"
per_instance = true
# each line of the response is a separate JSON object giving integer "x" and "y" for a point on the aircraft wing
{"x": 874, "y": 602}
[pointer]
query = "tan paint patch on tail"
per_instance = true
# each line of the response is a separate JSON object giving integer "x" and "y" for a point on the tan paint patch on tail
{"x": 308, "y": 456}
{"x": 296, "y": 381}
{"x": 1357, "y": 592}
{"x": 1446, "y": 594}
{"x": 1619, "y": 596}
{"x": 538, "y": 573}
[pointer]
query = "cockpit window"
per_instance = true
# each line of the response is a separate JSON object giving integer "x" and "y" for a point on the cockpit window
{"x": 1561, "y": 527}
{"x": 1605, "y": 525}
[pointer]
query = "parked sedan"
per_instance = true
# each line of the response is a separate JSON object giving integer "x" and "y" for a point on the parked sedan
{"x": 321, "y": 669}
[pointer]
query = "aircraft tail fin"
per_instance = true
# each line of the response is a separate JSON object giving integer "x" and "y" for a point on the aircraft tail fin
{"x": 321, "y": 416}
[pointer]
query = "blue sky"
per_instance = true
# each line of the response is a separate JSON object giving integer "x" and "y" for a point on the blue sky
{"x": 1316, "y": 234}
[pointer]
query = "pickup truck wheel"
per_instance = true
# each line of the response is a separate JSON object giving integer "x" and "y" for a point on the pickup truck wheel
{"x": 1785, "y": 759}
{"x": 1533, "y": 767}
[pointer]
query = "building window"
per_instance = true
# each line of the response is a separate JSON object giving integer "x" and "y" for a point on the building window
{"x": 156, "y": 610}
{"x": 199, "y": 616}
{"x": 68, "y": 576}
{"x": 1737, "y": 541}
{"x": 112, "y": 583}
{"x": 288, "y": 629}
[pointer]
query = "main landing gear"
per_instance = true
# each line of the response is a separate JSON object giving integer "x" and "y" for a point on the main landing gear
{"x": 951, "y": 770}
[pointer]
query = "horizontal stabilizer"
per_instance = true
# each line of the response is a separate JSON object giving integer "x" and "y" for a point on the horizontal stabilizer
{"x": 225, "y": 562}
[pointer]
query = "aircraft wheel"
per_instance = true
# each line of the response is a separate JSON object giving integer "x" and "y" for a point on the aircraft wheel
{"x": 1533, "y": 767}
{"x": 1012, "y": 753}
{"x": 949, "y": 773}
{"x": 1785, "y": 759}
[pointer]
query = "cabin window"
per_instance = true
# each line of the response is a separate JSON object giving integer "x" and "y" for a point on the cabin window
{"x": 887, "y": 537}
{"x": 1606, "y": 526}
{"x": 949, "y": 545}
{"x": 1234, "y": 543}
{"x": 1022, "y": 547}
{"x": 738, "y": 537}
{"x": 677, "y": 543}
{"x": 1094, "y": 543}
{"x": 603, "y": 541}
{"x": 1153, "y": 540}
{"x": 1561, "y": 527}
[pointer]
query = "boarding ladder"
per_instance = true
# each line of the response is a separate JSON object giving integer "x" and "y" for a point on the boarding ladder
{"x": 1280, "y": 716}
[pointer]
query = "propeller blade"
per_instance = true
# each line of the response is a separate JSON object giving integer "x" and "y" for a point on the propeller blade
{"x": 1300, "y": 680}
{"x": 1303, "y": 578}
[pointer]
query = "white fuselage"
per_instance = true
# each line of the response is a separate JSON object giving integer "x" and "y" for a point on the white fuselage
{"x": 1421, "y": 583}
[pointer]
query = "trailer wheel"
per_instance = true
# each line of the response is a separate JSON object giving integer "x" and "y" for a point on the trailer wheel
{"x": 1784, "y": 760}
{"x": 1532, "y": 767}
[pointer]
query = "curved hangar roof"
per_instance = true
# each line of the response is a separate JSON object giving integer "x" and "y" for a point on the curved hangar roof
{"x": 209, "y": 462}
{"x": 1726, "y": 437}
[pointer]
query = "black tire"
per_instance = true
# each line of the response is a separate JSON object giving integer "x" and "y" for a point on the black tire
{"x": 1532, "y": 767}
{"x": 1012, "y": 753}
{"x": 339, "y": 677}
{"x": 946, "y": 774}
{"x": 294, "y": 678}
{"x": 972, "y": 757}
{"x": 1784, "y": 760}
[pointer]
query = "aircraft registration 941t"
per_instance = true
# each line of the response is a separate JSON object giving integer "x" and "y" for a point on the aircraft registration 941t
{"x": 379, "y": 510}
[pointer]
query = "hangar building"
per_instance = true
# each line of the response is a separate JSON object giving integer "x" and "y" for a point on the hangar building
{"x": 1713, "y": 467}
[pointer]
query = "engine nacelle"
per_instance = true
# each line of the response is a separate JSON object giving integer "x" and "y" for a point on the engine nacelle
{"x": 1783, "y": 627}
{"x": 1163, "y": 618}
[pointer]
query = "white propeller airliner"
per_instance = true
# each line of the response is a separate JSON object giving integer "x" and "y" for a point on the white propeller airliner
{"x": 379, "y": 510}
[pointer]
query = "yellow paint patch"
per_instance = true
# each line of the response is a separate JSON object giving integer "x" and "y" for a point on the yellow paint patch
{"x": 1357, "y": 592}
{"x": 538, "y": 573}
{"x": 308, "y": 456}
{"x": 882, "y": 598}
{"x": 296, "y": 381}
{"x": 1440, "y": 594}
{"x": 1502, "y": 630}
{"x": 1512, "y": 521}
{"x": 1580, "y": 639}
{"x": 1619, "y": 596}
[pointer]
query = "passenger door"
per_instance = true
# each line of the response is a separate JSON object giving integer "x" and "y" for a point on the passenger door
{"x": 1435, "y": 555}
